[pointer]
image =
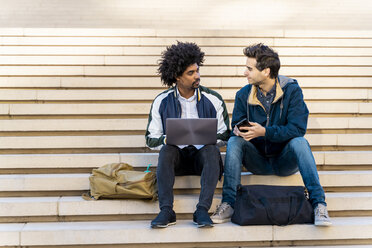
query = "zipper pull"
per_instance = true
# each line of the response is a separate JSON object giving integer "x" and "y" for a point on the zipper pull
{"x": 148, "y": 167}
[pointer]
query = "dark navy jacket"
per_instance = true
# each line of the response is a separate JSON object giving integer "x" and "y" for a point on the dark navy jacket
{"x": 166, "y": 105}
{"x": 287, "y": 118}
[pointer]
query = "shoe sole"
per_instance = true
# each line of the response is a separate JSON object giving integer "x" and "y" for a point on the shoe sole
{"x": 221, "y": 221}
{"x": 163, "y": 226}
{"x": 203, "y": 225}
{"x": 323, "y": 223}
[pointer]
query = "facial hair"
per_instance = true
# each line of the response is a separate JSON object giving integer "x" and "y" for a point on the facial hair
{"x": 196, "y": 84}
{"x": 255, "y": 83}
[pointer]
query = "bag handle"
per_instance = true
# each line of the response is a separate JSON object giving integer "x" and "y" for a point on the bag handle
{"x": 292, "y": 209}
{"x": 269, "y": 212}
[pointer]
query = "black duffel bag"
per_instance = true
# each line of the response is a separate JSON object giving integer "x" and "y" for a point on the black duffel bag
{"x": 272, "y": 205}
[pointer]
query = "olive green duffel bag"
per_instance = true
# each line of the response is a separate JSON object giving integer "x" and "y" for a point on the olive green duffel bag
{"x": 119, "y": 180}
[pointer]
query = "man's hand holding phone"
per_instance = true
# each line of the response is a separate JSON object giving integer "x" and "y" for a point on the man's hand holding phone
{"x": 249, "y": 130}
{"x": 241, "y": 127}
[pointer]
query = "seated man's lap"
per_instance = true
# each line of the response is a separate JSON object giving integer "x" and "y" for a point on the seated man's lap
{"x": 191, "y": 161}
{"x": 255, "y": 162}
{"x": 284, "y": 164}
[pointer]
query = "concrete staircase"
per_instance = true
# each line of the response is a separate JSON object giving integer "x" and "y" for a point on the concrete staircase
{"x": 76, "y": 99}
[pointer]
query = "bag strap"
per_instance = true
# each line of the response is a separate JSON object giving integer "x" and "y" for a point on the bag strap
{"x": 293, "y": 211}
{"x": 269, "y": 212}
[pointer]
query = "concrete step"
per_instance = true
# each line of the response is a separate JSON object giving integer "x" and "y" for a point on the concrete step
{"x": 144, "y": 108}
{"x": 80, "y": 181}
{"x": 357, "y": 229}
{"x": 85, "y": 70}
{"x": 156, "y": 51}
{"x": 150, "y": 94}
{"x": 165, "y": 41}
{"x": 61, "y": 50}
{"x": 154, "y": 82}
{"x": 312, "y": 33}
{"x": 283, "y": 51}
{"x": 141, "y": 160}
{"x": 74, "y": 125}
{"x": 85, "y": 109}
{"x": 316, "y": 42}
{"x": 147, "y": 32}
{"x": 70, "y": 206}
{"x": 139, "y": 124}
{"x": 152, "y": 60}
{"x": 339, "y": 107}
{"x": 138, "y": 141}
{"x": 137, "y": 41}
{"x": 65, "y": 142}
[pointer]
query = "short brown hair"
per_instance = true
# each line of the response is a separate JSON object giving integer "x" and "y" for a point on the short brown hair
{"x": 265, "y": 56}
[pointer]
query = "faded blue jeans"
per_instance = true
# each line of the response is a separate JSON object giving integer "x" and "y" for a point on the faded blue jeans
{"x": 296, "y": 155}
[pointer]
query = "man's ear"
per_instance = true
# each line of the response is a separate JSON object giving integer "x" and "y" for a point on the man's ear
{"x": 267, "y": 72}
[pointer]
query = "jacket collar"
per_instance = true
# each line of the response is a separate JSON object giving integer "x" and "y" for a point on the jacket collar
{"x": 197, "y": 92}
{"x": 253, "y": 100}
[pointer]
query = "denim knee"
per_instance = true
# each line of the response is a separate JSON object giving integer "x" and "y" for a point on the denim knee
{"x": 235, "y": 145}
{"x": 299, "y": 144}
{"x": 236, "y": 141}
{"x": 234, "y": 152}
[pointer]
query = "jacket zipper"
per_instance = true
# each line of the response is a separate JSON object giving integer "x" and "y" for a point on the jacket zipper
{"x": 267, "y": 124}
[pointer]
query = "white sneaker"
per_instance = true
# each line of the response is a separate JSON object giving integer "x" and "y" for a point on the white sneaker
{"x": 223, "y": 213}
{"x": 321, "y": 216}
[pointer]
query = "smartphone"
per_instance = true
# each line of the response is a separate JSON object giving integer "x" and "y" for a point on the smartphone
{"x": 243, "y": 123}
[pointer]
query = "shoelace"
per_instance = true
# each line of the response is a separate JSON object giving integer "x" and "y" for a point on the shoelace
{"x": 221, "y": 208}
{"x": 321, "y": 212}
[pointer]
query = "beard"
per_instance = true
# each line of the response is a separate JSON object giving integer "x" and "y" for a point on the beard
{"x": 196, "y": 84}
{"x": 255, "y": 83}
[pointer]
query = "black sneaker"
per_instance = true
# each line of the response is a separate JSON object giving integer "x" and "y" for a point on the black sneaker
{"x": 201, "y": 218}
{"x": 164, "y": 219}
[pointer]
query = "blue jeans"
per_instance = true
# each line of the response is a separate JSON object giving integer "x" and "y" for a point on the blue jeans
{"x": 296, "y": 155}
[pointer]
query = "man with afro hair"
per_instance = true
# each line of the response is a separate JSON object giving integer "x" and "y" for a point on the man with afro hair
{"x": 185, "y": 98}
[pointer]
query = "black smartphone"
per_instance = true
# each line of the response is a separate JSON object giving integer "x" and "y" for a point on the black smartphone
{"x": 243, "y": 123}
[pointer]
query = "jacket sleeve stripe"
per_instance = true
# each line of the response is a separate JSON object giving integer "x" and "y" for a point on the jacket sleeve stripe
{"x": 154, "y": 132}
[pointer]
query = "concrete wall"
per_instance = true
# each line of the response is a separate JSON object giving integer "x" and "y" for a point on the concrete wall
{"x": 191, "y": 14}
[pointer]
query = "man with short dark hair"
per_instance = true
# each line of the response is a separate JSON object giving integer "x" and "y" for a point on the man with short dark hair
{"x": 272, "y": 143}
{"x": 187, "y": 99}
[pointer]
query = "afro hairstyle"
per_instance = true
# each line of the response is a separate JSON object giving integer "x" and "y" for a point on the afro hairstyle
{"x": 175, "y": 60}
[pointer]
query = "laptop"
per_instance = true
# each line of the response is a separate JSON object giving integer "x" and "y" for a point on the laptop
{"x": 194, "y": 131}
